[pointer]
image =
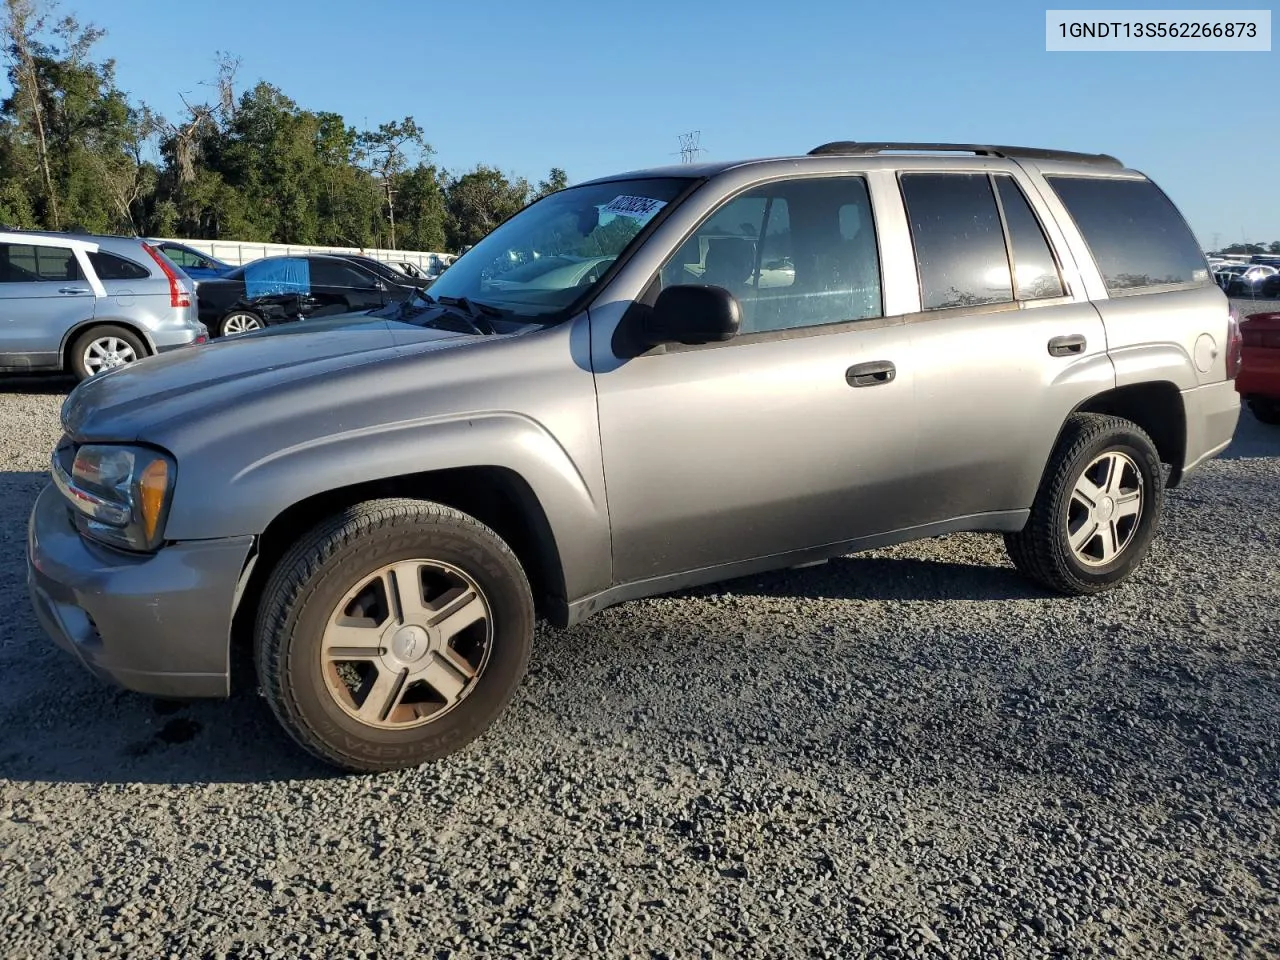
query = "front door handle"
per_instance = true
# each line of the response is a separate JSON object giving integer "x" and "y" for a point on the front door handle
{"x": 1071, "y": 345}
{"x": 73, "y": 290}
{"x": 870, "y": 374}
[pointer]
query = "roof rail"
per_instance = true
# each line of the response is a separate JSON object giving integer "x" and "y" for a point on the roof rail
{"x": 853, "y": 148}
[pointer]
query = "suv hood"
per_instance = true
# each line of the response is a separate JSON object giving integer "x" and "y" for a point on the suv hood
{"x": 131, "y": 401}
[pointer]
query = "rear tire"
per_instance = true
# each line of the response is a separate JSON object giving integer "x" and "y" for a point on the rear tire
{"x": 1265, "y": 409}
{"x": 1097, "y": 508}
{"x": 393, "y": 634}
{"x": 239, "y": 321}
{"x": 104, "y": 348}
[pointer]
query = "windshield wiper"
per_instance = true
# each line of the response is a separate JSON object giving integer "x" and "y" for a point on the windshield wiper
{"x": 459, "y": 308}
{"x": 478, "y": 312}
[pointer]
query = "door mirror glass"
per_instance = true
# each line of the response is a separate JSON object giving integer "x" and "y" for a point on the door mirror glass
{"x": 693, "y": 313}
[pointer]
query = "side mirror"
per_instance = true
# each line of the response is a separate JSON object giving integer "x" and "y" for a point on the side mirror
{"x": 693, "y": 313}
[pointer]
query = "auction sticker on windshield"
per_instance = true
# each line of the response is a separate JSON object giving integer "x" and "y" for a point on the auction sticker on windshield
{"x": 638, "y": 208}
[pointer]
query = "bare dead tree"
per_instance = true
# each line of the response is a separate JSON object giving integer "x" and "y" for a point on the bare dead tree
{"x": 202, "y": 118}
{"x": 186, "y": 137}
{"x": 228, "y": 65}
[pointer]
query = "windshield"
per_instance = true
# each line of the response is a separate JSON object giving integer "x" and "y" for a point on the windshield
{"x": 554, "y": 250}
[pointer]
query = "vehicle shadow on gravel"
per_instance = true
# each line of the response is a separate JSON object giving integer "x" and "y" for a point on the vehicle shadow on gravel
{"x": 882, "y": 578}
{"x": 105, "y": 735}
{"x": 36, "y": 384}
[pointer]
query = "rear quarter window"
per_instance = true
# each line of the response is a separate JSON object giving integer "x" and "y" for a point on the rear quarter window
{"x": 1136, "y": 235}
{"x": 110, "y": 267}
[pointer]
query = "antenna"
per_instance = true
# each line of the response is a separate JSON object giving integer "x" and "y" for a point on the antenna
{"x": 690, "y": 146}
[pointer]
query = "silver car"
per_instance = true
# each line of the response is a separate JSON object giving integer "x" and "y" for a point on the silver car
{"x": 84, "y": 304}
{"x": 767, "y": 364}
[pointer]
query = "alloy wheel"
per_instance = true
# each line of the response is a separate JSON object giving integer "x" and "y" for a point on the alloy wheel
{"x": 1105, "y": 509}
{"x": 106, "y": 353}
{"x": 240, "y": 323}
{"x": 407, "y": 644}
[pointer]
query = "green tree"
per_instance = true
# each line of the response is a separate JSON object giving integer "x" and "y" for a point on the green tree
{"x": 75, "y": 150}
{"x": 557, "y": 179}
{"x": 479, "y": 200}
{"x": 75, "y": 145}
{"x": 421, "y": 208}
{"x": 386, "y": 152}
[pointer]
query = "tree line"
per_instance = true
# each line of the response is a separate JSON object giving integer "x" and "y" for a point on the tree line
{"x": 1252, "y": 248}
{"x": 78, "y": 153}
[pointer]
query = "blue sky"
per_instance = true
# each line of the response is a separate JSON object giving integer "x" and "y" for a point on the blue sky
{"x": 596, "y": 88}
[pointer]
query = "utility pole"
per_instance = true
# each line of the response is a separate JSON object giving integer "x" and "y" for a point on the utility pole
{"x": 391, "y": 211}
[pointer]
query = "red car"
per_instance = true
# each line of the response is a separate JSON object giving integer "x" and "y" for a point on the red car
{"x": 1259, "y": 378}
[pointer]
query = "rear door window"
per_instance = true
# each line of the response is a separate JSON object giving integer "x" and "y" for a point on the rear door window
{"x": 1035, "y": 272}
{"x": 110, "y": 267}
{"x": 327, "y": 273}
{"x": 960, "y": 249}
{"x": 28, "y": 263}
{"x": 1136, "y": 235}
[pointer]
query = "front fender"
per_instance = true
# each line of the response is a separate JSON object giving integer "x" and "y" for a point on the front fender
{"x": 210, "y": 504}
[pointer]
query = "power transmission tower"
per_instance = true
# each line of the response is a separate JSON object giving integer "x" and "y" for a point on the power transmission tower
{"x": 690, "y": 146}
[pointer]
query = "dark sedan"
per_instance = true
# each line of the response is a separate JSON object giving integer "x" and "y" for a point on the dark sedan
{"x": 284, "y": 289}
{"x": 1269, "y": 288}
{"x": 386, "y": 271}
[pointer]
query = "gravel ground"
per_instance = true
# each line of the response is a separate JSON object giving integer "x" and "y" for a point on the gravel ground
{"x": 909, "y": 753}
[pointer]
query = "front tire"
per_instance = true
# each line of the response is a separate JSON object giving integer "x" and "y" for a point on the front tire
{"x": 1097, "y": 508}
{"x": 393, "y": 634}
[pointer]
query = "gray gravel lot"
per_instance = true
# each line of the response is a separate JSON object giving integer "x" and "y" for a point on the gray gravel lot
{"x": 908, "y": 753}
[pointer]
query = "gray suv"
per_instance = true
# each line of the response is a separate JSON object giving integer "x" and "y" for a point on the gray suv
{"x": 84, "y": 304}
{"x": 637, "y": 384}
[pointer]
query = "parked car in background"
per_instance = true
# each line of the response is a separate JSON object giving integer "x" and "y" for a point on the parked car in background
{"x": 1269, "y": 288}
{"x": 322, "y": 285}
{"x": 1259, "y": 379}
{"x": 384, "y": 270}
{"x": 412, "y": 270}
{"x": 1223, "y": 274}
{"x": 1247, "y": 282}
{"x": 1018, "y": 341}
{"x": 198, "y": 266}
{"x": 84, "y": 304}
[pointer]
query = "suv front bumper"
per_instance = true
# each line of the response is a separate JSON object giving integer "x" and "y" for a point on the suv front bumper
{"x": 159, "y": 624}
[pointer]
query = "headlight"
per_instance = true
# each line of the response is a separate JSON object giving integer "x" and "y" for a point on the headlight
{"x": 122, "y": 492}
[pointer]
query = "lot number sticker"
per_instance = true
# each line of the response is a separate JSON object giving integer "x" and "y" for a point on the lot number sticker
{"x": 637, "y": 208}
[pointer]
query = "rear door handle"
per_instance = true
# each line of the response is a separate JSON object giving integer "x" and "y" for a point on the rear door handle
{"x": 1071, "y": 345}
{"x": 870, "y": 374}
{"x": 73, "y": 290}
